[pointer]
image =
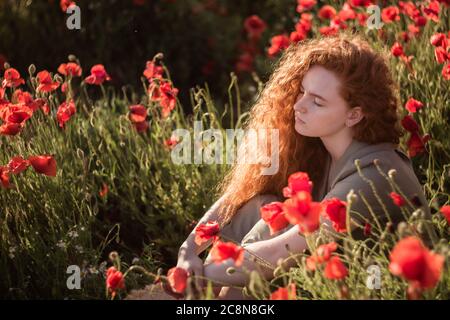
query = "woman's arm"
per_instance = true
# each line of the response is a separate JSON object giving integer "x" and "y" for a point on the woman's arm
{"x": 189, "y": 247}
{"x": 270, "y": 250}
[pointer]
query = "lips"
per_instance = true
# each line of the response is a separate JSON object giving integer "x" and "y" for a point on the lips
{"x": 297, "y": 118}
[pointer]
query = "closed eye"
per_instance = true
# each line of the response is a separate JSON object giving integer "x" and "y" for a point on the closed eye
{"x": 317, "y": 104}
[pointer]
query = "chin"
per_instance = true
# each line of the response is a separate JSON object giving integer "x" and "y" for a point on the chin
{"x": 300, "y": 129}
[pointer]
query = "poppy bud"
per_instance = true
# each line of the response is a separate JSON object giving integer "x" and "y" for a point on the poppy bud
{"x": 113, "y": 256}
{"x": 6, "y": 65}
{"x": 351, "y": 196}
{"x": 159, "y": 56}
{"x": 402, "y": 229}
{"x": 392, "y": 173}
{"x": 58, "y": 78}
{"x": 389, "y": 226}
{"x": 72, "y": 58}
{"x": 31, "y": 69}
{"x": 421, "y": 228}
{"x": 418, "y": 214}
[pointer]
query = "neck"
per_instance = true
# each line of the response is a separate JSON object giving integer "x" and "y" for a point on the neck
{"x": 337, "y": 144}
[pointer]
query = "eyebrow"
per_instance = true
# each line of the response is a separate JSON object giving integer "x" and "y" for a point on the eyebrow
{"x": 315, "y": 94}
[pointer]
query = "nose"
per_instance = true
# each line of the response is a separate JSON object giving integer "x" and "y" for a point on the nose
{"x": 299, "y": 107}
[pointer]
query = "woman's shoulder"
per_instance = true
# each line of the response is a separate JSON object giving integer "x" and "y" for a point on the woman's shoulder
{"x": 368, "y": 156}
{"x": 368, "y": 170}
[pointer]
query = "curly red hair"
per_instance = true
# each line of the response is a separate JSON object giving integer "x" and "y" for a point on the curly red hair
{"x": 366, "y": 82}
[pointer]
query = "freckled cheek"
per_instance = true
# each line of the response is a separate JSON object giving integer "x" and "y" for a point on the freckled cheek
{"x": 324, "y": 122}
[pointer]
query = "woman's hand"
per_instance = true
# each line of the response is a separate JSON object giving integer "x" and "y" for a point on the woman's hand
{"x": 193, "y": 264}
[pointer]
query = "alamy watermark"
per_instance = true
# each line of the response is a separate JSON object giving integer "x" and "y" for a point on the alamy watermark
{"x": 73, "y": 22}
{"x": 373, "y": 281}
{"x": 251, "y": 147}
{"x": 74, "y": 280}
{"x": 374, "y": 20}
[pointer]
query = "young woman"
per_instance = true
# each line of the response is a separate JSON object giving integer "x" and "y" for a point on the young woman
{"x": 333, "y": 101}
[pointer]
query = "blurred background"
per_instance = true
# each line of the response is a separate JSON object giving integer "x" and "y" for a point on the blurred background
{"x": 202, "y": 40}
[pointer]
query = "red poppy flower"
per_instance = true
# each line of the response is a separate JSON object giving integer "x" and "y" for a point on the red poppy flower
{"x": 138, "y": 113}
{"x": 300, "y": 210}
{"x": 390, "y": 14}
{"x": 439, "y": 40}
{"x": 16, "y": 113}
{"x": 4, "y": 177}
{"x": 304, "y": 24}
{"x": 335, "y": 210}
{"x": 227, "y": 250}
{"x": 114, "y": 280}
{"x": 431, "y": 12}
{"x": 329, "y": 30}
{"x": 297, "y": 182}
{"x": 254, "y": 26}
{"x": 152, "y": 71}
{"x": 177, "y": 278}
{"x": 65, "y": 4}
{"x": 398, "y": 200}
{"x": 445, "y": 210}
{"x": 65, "y": 112}
{"x": 44, "y": 164}
{"x": 397, "y": 50}
{"x": 295, "y": 36}
{"x": 287, "y": 293}
{"x": 141, "y": 126}
{"x": 362, "y": 18}
{"x": 45, "y": 82}
{"x": 346, "y": 13}
{"x": 335, "y": 269}
{"x": 272, "y": 213}
{"x": 70, "y": 69}
{"x": 41, "y": 104}
{"x": 167, "y": 99}
{"x": 98, "y": 75}
{"x": 204, "y": 232}
{"x": 446, "y": 71}
{"x": 10, "y": 129}
{"x": 277, "y": 44}
{"x": 416, "y": 144}
{"x": 171, "y": 142}
{"x": 304, "y": 5}
{"x": 17, "y": 165}
{"x": 413, "y": 29}
{"x": 12, "y": 78}
{"x": 360, "y": 3}
{"x": 412, "y": 105}
{"x": 25, "y": 98}
{"x": 441, "y": 55}
{"x": 326, "y": 12}
{"x": 409, "y": 8}
{"x": 410, "y": 124}
{"x": 411, "y": 260}
{"x": 321, "y": 255}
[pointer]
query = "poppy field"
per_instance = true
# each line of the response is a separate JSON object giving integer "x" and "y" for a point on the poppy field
{"x": 87, "y": 181}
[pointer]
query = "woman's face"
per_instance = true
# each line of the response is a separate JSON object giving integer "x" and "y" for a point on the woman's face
{"x": 320, "y": 111}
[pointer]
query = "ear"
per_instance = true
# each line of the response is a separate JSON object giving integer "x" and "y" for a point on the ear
{"x": 354, "y": 116}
